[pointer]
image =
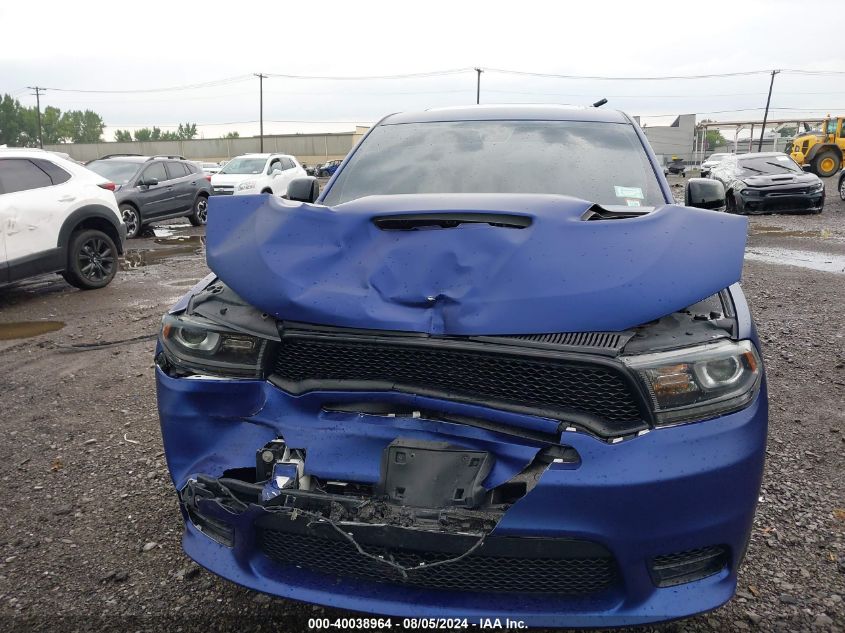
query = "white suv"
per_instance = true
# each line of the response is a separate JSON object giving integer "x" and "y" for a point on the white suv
{"x": 257, "y": 173}
{"x": 57, "y": 216}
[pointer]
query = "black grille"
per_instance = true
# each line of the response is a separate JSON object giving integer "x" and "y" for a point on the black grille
{"x": 475, "y": 573}
{"x": 693, "y": 564}
{"x": 546, "y": 384}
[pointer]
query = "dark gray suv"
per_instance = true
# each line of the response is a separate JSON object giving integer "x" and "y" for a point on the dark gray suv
{"x": 156, "y": 188}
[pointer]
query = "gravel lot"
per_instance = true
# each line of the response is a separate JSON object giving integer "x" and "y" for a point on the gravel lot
{"x": 89, "y": 526}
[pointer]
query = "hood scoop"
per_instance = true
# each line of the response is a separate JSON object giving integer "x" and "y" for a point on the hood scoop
{"x": 467, "y": 264}
{"x": 596, "y": 212}
{"x": 411, "y": 222}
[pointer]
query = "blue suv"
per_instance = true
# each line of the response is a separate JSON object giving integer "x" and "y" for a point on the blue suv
{"x": 491, "y": 371}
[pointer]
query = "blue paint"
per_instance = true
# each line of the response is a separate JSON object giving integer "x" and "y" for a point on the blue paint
{"x": 334, "y": 266}
{"x": 669, "y": 490}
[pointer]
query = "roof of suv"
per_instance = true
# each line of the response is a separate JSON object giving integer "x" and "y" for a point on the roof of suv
{"x": 539, "y": 112}
{"x": 137, "y": 158}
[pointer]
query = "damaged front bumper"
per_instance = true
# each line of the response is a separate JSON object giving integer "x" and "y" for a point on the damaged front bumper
{"x": 575, "y": 532}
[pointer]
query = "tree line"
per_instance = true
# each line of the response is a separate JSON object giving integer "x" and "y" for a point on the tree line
{"x": 184, "y": 132}
{"x": 19, "y": 125}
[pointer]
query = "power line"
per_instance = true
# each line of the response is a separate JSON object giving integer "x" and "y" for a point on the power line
{"x": 747, "y": 110}
{"x": 610, "y": 78}
{"x": 813, "y": 72}
{"x": 208, "y": 84}
{"x": 434, "y": 73}
{"x": 440, "y": 73}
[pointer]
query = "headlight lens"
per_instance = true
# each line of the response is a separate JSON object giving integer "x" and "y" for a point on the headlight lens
{"x": 246, "y": 184}
{"x": 818, "y": 186}
{"x": 198, "y": 346}
{"x": 699, "y": 382}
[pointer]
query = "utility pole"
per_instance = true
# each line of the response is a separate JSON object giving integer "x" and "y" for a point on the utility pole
{"x": 38, "y": 91}
{"x": 766, "y": 114}
{"x": 261, "y": 79}
{"x": 478, "y": 86}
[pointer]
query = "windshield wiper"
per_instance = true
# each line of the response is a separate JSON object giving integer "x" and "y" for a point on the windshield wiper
{"x": 792, "y": 171}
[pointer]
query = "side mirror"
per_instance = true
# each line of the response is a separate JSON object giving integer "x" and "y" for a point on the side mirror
{"x": 704, "y": 193}
{"x": 276, "y": 172}
{"x": 303, "y": 189}
{"x": 148, "y": 182}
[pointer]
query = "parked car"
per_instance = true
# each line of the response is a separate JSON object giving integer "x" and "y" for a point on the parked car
{"x": 152, "y": 188}
{"x": 209, "y": 168}
{"x": 257, "y": 173}
{"x": 675, "y": 166}
{"x": 841, "y": 185}
{"x": 457, "y": 386}
{"x": 768, "y": 182}
{"x": 56, "y": 216}
{"x": 711, "y": 162}
{"x": 328, "y": 168}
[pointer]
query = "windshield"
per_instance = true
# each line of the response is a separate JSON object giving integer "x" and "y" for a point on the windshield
{"x": 599, "y": 162}
{"x": 768, "y": 165}
{"x": 244, "y": 166}
{"x": 117, "y": 171}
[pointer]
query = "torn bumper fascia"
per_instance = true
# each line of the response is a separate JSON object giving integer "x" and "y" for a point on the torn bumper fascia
{"x": 670, "y": 490}
{"x": 335, "y": 266}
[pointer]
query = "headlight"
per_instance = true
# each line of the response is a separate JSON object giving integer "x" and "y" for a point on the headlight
{"x": 699, "y": 382}
{"x": 818, "y": 186}
{"x": 201, "y": 347}
{"x": 246, "y": 184}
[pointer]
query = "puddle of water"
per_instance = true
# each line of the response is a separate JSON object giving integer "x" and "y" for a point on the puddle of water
{"x": 781, "y": 232}
{"x": 199, "y": 240}
{"x": 167, "y": 231}
{"x": 825, "y": 262}
{"x": 27, "y": 329}
{"x": 182, "y": 283}
{"x": 181, "y": 245}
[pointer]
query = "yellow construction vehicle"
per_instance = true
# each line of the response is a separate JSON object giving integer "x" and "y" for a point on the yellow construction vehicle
{"x": 823, "y": 151}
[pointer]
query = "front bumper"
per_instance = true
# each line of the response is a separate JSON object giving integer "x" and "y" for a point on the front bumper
{"x": 761, "y": 202}
{"x": 668, "y": 491}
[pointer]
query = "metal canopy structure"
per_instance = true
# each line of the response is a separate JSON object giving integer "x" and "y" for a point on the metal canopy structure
{"x": 701, "y": 129}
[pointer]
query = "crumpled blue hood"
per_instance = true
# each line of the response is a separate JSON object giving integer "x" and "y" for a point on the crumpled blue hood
{"x": 335, "y": 266}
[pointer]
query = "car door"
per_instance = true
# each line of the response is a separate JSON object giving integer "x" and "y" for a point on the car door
{"x": 32, "y": 208}
{"x": 183, "y": 189}
{"x": 154, "y": 191}
{"x": 281, "y": 181}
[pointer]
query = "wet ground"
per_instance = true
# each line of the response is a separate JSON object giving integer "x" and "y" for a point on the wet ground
{"x": 89, "y": 526}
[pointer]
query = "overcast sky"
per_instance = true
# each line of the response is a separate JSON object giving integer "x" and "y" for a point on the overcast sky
{"x": 116, "y": 45}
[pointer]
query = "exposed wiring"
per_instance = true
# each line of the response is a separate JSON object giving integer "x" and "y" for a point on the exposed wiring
{"x": 402, "y": 569}
{"x": 319, "y": 518}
